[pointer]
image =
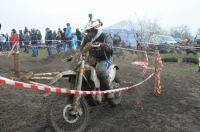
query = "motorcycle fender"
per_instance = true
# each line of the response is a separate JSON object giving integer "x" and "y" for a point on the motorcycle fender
{"x": 94, "y": 78}
{"x": 112, "y": 71}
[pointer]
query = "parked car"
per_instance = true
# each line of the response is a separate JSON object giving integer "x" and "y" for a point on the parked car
{"x": 178, "y": 40}
{"x": 162, "y": 42}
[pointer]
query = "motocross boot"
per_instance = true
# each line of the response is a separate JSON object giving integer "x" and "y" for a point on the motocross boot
{"x": 109, "y": 86}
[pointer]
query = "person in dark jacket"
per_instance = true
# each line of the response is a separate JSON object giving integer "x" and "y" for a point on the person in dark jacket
{"x": 27, "y": 39}
{"x": 48, "y": 41}
{"x": 99, "y": 57}
{"x": 79, "y": 37}
{"x": 116, "y": 42}
{"x": 21, "y": 36}
{"x": 58, "y": 41}
{"x": 63, "y": 39}
{"x": 39, "y": 39}
{"x": 34, "y": 42}
{"x": 138, "y": 40}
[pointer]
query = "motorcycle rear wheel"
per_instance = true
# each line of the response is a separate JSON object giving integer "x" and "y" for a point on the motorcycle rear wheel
{"x": 62, "y": 121}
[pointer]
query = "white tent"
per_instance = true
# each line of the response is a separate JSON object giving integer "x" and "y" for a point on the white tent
{"x": 126, "y": 30}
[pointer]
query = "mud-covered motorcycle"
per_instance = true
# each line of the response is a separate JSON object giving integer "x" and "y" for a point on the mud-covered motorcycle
{"x": 71, "y": 112}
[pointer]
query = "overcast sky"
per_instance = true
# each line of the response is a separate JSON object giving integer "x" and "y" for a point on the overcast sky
{"x": 40, "y": 14}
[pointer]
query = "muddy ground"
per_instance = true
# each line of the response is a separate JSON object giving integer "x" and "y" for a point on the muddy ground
{"x": 176, "y": 109}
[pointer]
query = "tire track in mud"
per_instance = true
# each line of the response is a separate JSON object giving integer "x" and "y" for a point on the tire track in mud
{"x": 186, "y": 106}
{"x": 175, "y": 109}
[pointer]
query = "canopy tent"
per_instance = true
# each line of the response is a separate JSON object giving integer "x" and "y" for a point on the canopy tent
{"x": 126, "y": 30}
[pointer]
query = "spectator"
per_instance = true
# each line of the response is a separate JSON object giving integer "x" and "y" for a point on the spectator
{"x": 8, "y": 46}
{"x": 74, "y": 41}
{"x": 27, "y": 39}
{"x": 34, "y": 43}
{"x": 116, "y": 42}
{"x": 58, "y": 40}
{"x": 48, "y": 41}
{"x": 63, "y": 39}
{"x": 54, "y": 37}
{"x": 79, "y": 37}
{"x": 3, "y": 43}
{"x": 68, "y": 36}
{"x": 20, "y": 39}
{"x": 59, "y": 30}
{"x": 25, "y": 29}
{"x": 39, "y": 39}
{"x": 138, "y": 40}
{"x": 14, "y": 40}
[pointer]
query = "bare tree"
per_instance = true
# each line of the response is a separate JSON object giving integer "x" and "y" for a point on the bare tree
{"x": 148, "y": 27}
{"x": 182, "y": 31}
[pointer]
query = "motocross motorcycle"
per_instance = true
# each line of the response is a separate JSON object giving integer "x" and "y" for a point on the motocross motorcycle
{"x": 70, "y": 113}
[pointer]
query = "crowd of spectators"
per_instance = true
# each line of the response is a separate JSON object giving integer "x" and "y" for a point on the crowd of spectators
{"x": 31, "y": 40}
{"x": 61, "y": 40}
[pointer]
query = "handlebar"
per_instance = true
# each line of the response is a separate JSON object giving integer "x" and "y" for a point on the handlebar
{"x": 96, "y": 45}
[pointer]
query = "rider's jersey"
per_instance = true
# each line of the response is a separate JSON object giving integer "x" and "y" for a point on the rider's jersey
{"x": 99, "y": 53}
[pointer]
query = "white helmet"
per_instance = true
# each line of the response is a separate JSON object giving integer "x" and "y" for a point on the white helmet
{"x": 95, "y": 25}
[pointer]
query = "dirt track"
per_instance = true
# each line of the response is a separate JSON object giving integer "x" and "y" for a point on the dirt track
{"x": 176, "y": 109}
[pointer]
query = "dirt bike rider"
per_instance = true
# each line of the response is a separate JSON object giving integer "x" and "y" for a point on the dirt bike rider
{"x": 99, "y": 57}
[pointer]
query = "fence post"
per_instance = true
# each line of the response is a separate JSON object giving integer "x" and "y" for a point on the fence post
{"x": 16, "y": 64}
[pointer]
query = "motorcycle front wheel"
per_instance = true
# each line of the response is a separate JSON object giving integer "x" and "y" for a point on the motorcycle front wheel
{"x": 62, "y": 121}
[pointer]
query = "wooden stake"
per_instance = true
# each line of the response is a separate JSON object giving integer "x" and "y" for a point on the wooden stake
{"x": 43, "y": 74}
{"x": 16, "y": 64}
{"x": 48, "y": 78}
{"x": 12, "y": 49}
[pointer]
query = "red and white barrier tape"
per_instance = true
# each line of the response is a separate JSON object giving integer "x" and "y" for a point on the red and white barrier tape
{"x": 158, "y": 86}
{"x": 191, "y": 47}
{"x": 42, "y": 41}
{"x": 8, "y": 52}
{"x": 159, "y": 59}
{"x": 131, "y": 49}
{"x": 143, "y": 64}
{"x": 157, "y": 73}
{"x": 66, "y": 91}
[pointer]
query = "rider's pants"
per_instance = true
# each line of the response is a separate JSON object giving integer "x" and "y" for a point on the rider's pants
{"x": 103, "y": 74}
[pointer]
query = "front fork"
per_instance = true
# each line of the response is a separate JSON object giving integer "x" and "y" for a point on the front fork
{"x": 76, "y": 109}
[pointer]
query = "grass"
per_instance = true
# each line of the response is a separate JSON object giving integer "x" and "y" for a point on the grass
{"x": 42, "y": 52}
